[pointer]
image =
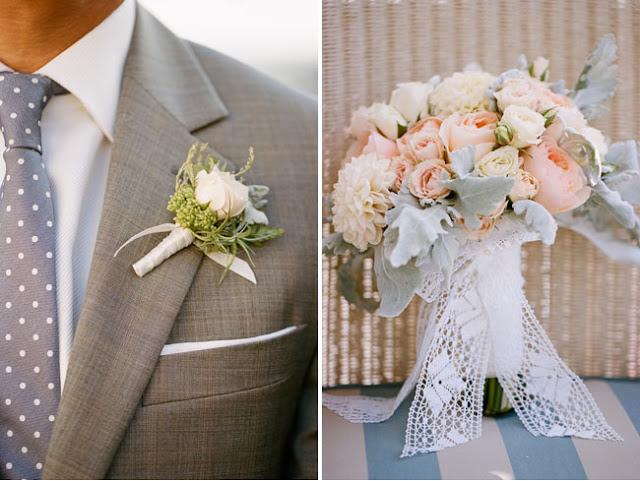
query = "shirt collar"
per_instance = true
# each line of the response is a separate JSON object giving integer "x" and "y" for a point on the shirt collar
{"x": 91, "y": 68}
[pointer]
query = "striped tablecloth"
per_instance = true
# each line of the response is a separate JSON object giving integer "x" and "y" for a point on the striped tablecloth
{"x": 506, "y": 450}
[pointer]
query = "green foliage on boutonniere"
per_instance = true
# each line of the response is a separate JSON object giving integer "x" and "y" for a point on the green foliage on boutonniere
{"x": 223, "y": 213}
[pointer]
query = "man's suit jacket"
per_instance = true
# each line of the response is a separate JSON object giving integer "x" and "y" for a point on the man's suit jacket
{"x": 246, "y": 411}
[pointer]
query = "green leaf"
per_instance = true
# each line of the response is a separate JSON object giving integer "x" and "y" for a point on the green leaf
{"x": 350, "y": 283}
{"x": 334, "y": 245}
{"x": 478, "y": 196}
{"x": 462, "y": 160}
{"x": 598, "y": 79}
{"x": 396, "y": 285}
{"x": 538, "y": 218}
{"x": 402, "y": 129}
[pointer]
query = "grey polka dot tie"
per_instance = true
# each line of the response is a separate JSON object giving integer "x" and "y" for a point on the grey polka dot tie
{"x": 29, "y": 370}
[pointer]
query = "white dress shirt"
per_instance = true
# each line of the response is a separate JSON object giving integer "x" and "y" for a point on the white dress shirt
{"x": 77, "y": 136}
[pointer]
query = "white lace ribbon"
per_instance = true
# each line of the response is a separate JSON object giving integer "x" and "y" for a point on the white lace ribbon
{"x": 480, "y": 319}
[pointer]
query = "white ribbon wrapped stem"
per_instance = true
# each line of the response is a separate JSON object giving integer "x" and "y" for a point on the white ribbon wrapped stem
{"x": 178, "y": 239}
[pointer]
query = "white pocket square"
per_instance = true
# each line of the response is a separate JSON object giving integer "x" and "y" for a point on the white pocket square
{"x": 182, "y": 347}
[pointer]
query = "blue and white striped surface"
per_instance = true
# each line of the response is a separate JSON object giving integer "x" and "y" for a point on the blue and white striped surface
{"x": 506, "y": 450}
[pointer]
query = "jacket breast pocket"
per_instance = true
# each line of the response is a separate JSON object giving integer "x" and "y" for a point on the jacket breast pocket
{"x": 227, "y": 369}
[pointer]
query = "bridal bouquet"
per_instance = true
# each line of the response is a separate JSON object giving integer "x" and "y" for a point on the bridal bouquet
{"x": 442, "y": 186}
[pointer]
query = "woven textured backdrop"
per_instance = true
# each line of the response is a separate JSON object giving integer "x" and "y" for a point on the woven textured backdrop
{"x": 589, "y": 305}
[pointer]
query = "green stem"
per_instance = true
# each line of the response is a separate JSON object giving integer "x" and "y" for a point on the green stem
{"x": 495, "y": 400}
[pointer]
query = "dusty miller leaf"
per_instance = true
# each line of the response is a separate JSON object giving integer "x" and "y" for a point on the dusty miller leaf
{"x": 478, "y": 196}
{"x": 462, "y": 160}
{"x": 622, "y": 159}
{"x": 254, "y": 216}
{"x": 598, "y": 79}
{"x": 413, "y": 230}
{"x": 257, "y": 194}
{"x": 621, "y": 210}
{"x": 620, "y": 250}
{"x": 623, "y": 155}
{"x": 396, "y": 285}
{"x": 442, "y": 254}
{"x": 538, "y": 218}
{"x": 559, "y": 87}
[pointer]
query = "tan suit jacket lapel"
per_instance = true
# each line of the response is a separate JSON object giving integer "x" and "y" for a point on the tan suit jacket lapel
{"x": 125, "y": 320}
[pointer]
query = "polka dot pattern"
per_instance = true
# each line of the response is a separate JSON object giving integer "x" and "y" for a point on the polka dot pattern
{"x": 29, "y": 371}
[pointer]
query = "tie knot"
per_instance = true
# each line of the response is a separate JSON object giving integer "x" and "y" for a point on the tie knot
{"x": 22, "y": 100}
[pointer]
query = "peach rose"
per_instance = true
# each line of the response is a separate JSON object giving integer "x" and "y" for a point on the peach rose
{"x": 552, "y": 99}
{"x": 524, "y": 187}
{"x": 425, "y": 182}
{"x": 422, "y": 141}
{"x": 476, "y": 128}
{"x": 381, "y": 146}
{"x": 402, "y": 167}
{"x": 563, "y": 185}
{"x": 487, "y": 223}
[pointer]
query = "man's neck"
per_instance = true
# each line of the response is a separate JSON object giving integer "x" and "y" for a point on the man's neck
{"x": 34, "y": 32}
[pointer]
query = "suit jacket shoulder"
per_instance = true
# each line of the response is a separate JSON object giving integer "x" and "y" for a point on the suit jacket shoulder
{"x": 238, "y": 82}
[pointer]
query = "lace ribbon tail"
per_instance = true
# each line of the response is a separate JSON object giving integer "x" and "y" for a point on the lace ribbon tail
{"x": 549, "y": 398}
{"x": 365, "y": 409}
{"x": 447, "y": 407}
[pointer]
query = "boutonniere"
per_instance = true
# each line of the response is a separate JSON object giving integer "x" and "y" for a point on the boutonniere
{"x": 216, "y": 212}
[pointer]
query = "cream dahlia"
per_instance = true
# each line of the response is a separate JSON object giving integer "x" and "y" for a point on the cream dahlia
{"x": 463, "y": 92}
{"x": 361, "y": 198}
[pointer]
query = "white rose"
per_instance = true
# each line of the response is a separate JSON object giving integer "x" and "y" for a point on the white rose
{"x": 525, "y": 186}
{"x": 387, "y": 119}
{"x": 539, "y": 68}
{"x": 411, "y": 100}
{"x": 597, "y": 139}
{"x": 501, "y": 162}
{"x": 225, "y": 196}
{"x": 526, "y": 124}
{"x": 360, "y": 126}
